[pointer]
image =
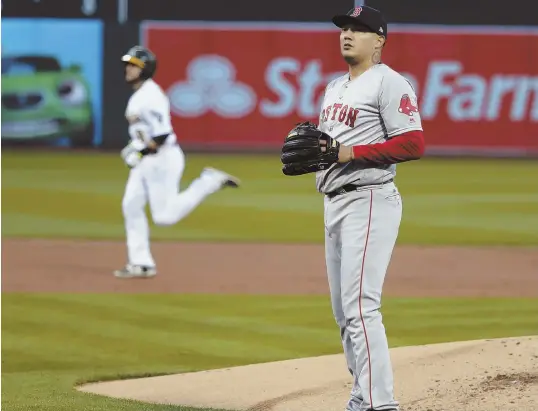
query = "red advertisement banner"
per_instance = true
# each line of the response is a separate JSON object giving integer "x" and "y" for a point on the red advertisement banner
{"x": 245, "y": 85}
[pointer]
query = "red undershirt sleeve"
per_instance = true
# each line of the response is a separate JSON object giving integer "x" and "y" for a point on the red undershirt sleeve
{"x": 403, "y": 147}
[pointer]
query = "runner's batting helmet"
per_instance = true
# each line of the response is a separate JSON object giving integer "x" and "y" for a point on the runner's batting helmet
{"x": 143, "y": 58}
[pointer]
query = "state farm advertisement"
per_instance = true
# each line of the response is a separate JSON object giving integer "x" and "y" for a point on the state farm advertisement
{"x": 246, "y": 85}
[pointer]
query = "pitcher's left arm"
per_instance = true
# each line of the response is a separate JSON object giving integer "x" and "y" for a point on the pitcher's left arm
{"x": 399, "y": 112}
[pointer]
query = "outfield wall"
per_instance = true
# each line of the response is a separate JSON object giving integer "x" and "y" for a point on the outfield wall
{"x": 240, "y": 85}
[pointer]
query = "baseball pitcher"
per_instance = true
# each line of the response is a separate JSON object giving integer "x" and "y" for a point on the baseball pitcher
{"x": 369, "y": 122}
{"x": 156, "y": 164}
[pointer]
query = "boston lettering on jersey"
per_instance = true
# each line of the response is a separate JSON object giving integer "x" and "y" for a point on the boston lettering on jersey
{"x": 345, "y": 114}
{"x": 375, "y": 110}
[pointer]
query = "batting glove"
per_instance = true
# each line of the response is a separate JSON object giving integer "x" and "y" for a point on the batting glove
{"x": 132, "y": 159}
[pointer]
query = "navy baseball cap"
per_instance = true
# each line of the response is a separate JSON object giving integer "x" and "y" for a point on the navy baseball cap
{"x": 363, "y": 16}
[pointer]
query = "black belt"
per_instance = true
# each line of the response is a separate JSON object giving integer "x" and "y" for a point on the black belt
{"x": 159, "y": 141}
{"x": 348, "y": 188}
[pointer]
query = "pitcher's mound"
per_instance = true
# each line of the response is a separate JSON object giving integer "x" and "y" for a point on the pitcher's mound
{"x": 484, "y": 375}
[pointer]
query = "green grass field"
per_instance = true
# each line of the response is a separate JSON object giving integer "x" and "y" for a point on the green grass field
{"x": 50, "y": 342}
{"x": 445, "y": 202}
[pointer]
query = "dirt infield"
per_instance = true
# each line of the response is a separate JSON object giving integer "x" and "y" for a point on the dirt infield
{"x": 487, "y": 375}
{"x": 468, "y": 376}
{"x": 82, "y": 266}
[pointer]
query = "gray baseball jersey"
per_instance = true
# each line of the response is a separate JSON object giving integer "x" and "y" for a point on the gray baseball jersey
{"x": 370, "y": 109}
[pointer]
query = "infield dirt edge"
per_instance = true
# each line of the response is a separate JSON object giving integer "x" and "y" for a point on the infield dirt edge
{"x": 479, "y": 375}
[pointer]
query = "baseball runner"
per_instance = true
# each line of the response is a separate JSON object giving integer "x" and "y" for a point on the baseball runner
{"x": 369, "y": 122}
{"x": 156, "y": 164}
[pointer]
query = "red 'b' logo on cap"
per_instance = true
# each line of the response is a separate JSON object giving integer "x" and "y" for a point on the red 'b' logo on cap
{"x": 356, "y": 12}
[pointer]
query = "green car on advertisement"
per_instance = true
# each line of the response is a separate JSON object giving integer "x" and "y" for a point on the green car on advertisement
{"x": 43, "y": 101}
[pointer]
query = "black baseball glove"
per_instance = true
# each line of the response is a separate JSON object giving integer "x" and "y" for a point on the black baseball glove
{"x": 307, "y": 150}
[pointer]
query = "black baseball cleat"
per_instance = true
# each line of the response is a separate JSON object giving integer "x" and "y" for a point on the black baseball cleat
{"x": 232, "y": 182}
{"x": 135, "y": 271}
{"x": 227, "y": 179}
